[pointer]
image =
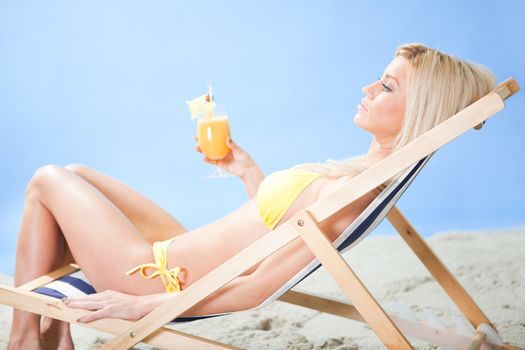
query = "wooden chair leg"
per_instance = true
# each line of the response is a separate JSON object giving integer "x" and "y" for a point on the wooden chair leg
{"x": 477, "y": 340}
{"x": 354, "y": 289}
{"x": 435, "y": 334}
{"x": 322, "y": 304}
{"x": 443, "y": 276}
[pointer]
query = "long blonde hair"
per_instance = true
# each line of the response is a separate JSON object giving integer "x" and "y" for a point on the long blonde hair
{"x": 438, "y": 86}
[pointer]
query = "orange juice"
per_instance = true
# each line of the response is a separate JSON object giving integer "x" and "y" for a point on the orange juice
{"x": 212, "y": 133}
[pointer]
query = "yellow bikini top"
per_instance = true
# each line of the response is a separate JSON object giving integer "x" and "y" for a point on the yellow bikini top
{"x": 279, "y": 190}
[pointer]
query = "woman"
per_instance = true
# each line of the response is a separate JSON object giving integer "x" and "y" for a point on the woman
{"x": 108, "y": 229}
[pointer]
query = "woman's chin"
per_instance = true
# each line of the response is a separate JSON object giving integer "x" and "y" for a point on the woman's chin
{"x": 358, "y": 121}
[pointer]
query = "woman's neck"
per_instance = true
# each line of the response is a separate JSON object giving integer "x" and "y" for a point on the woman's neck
{"x": 377, "y": 152}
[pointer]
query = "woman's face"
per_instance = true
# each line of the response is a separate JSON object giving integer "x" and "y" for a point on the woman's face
{"x": 382, "y": 109}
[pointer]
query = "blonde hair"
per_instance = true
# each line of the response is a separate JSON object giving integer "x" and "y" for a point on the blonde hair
{"x": 438, "y": 86}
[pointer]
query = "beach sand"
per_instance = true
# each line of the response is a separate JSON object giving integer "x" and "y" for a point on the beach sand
{"x": 490, "y": 265}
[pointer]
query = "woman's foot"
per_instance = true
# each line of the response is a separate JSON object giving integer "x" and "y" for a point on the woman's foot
{"x": 55, "y": 335}
{"x": 25, "y": 331}
{"x": 24, "y": 342}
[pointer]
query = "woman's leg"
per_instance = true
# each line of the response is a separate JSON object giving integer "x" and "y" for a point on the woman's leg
{"x": 25, "y": 326}
{"x": 151, "y": 220}
{"x": 101, "y": 238}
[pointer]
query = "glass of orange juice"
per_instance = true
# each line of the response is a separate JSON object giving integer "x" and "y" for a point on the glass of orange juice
{"x": 213, "y": 129}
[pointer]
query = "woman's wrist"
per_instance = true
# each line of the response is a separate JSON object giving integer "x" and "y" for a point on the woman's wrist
{"x": 253, "y": 172}
{"x": 252, "y": 178}
{"x": 148, "y": 303}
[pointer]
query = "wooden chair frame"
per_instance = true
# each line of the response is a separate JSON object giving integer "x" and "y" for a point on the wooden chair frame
{"x": 304, "y": 225}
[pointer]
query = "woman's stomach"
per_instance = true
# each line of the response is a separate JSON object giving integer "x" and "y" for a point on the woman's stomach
{"x": 199, "y": 251}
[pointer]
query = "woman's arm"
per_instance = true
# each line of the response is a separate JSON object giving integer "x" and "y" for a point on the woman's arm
{"x": 236, "y": 295}
{"x": 252, "y": 178}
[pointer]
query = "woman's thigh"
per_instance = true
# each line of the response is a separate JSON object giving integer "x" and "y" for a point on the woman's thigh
{"x": 101, "y": 238}
{"x": 151, "y": 220}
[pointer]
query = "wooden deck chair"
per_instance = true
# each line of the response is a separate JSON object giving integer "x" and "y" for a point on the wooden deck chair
{"x": 40, "y": 295}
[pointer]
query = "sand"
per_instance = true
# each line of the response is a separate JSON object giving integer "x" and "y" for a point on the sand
{"x": 489, "y": 264}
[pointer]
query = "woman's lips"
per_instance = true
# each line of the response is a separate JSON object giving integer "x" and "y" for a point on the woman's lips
{"x": 363, "y": 106}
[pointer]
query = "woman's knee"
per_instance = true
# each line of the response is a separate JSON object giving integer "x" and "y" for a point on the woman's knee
{"x": 78, "y": 169}
{"x": 42, "y": 176}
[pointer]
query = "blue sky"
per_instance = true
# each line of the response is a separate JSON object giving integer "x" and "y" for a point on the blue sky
{"x": 104, "y": 84}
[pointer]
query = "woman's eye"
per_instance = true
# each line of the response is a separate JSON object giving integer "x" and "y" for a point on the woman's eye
{"x": 386, "y": 88}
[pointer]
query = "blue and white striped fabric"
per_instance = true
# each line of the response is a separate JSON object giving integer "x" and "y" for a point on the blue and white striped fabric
{"x": 72, "y": 285}
{"x": 76, "y": 284}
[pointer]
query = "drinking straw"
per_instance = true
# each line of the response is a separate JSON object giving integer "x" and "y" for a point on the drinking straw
{"x": 208, "y": 108}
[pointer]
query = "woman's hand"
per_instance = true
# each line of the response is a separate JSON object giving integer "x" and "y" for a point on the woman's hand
{"x": 237, "y": 162}
{"x": 112, "y": 304}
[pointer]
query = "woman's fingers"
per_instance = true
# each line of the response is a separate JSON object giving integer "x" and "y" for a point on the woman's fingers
{"x": 86, "y": 301}
{"x": 197, "y": 148}
{"x": 232, "y": 145}
{"x": 89, "y": 297}
{"x": 106, "y": 304}
{"x": 87, "y": 305}
{"x": 211, "y": 161}
{"x": 94, "y": 302}
{"x": 208, "y": 160}
{"x": 95, "y": 315}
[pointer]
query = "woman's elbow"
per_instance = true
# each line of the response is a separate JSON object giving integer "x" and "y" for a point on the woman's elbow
{"x": 255, "y": 291}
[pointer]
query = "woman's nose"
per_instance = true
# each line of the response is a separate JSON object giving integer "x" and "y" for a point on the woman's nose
{"x": 368, "y": 90}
